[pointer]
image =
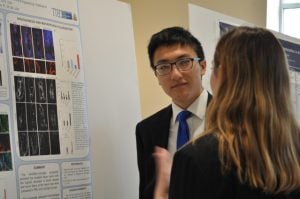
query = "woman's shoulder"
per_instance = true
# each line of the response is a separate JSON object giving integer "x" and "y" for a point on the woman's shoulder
{"x": 207, "y": 142}
{"x": 203, "y": 148}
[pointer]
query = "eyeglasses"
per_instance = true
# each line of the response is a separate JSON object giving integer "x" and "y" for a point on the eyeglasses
{"x": 183, "y": 64}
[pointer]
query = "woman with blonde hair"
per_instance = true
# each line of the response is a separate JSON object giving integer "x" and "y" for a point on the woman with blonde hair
{"x": 251, "y": 144}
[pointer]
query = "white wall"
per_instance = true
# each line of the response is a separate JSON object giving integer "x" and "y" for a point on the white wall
{"x": 113, "y": 98}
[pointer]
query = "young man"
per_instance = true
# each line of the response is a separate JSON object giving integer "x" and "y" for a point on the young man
{"x": 177, "y": 60}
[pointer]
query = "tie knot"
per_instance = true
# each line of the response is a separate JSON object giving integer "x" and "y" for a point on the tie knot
{"x": 183, "y": 115}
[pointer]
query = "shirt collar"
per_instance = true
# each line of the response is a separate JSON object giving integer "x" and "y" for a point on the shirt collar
{"x": 197, "y": 108}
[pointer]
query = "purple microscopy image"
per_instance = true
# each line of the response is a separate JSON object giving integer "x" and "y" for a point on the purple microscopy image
{"x": 27, "y": 41}
{"x": 38, "y": 45}
{"x": 49, "y": 46}
{"x": 15, "y": 36}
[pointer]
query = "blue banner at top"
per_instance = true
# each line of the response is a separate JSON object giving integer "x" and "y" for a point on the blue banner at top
{"x": 292, "y": 51}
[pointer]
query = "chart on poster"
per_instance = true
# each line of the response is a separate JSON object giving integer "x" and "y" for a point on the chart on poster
{"x": 44, "y": 138}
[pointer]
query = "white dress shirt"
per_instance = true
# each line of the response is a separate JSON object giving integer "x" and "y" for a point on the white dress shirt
{"x": 195, "y": 122}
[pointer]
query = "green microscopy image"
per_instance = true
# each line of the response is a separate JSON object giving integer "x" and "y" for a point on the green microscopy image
{"x": 3, "y": 123}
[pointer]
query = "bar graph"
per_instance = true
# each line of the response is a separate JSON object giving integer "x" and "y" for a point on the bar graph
{"x": 70, "y": 58}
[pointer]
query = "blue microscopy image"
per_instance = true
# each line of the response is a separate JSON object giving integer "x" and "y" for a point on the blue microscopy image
{"x": 27, "y": 41}
{"x": 15, "y": 36}
{"x": 38, "y": 45}
{"x": 49, "y": 47}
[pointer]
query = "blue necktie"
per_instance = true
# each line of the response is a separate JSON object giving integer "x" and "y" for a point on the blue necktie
{"x": 183, "y": 135}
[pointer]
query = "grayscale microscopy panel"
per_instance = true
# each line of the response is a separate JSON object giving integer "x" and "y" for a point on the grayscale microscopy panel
{"x": 54, "y": 141}
{"x": 41, "y": 92}
{"x": 44, "y": 140}
{"x": 31, "y": 117}
{"x": 20, "y": 89}
{"x": 30, "y": 89}
{"x": 21, "y": 117}
{"x": 33, "y": 143}
{"x": 23, "y": 143}
{"x": 51, "y": 91}
{"x": 42, "y": 117}
{"x": 53, "y": 121}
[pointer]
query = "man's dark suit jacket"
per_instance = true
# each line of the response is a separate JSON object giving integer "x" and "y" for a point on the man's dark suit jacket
{"x": 152, "y": 131}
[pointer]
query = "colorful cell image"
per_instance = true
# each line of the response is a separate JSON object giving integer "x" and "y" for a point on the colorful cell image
{"x": 53, "y": 121}
{"x": 54, "y": 142}
{"x": 4, "y": 142}
{"x": 30, "y": 89}
{"x": 49, "y": 46}
{"x": 4, "y": 126}
{"x": 51, "y": 91}
{"x": 42, "y": 117}
{"x": 44, "y": 140}
{"x": 29, "y": 65}
{"x": 38, "y": 45}
{"x": 20, "y": 89}
{"x": 15, "y": 36}
{"x": 27, "y": 41}
{"x": 21, "y": 117}
{"x": 23, "y": 143}
{"x": 18, "y": 64}
{"x": 5, "y": 161}
{"x": 33, "y": 143}
{"x": 51, "y": 68}
{"x": 41, "y": 92}
{"x": 31, "y": 117}
{"x": 40, "y": 66}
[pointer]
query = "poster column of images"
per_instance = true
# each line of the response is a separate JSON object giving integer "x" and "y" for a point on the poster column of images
{"x": 35, "y": 90}
{"x": 5, "y": 147}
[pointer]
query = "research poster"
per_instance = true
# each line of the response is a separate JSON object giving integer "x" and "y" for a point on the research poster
{"x": 45, "y": 143}
{"x": 291, "y": 48}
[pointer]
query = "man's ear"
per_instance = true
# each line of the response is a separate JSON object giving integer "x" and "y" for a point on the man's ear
{"x": 202, "y": 67}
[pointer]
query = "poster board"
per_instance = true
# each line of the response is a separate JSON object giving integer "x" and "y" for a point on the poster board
{"x": 208, "y": 25}
{"x": 113, "y": 96}
{"x": 45, "y": 143}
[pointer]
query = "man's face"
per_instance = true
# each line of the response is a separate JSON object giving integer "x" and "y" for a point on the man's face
{"x": 182, "y": 86}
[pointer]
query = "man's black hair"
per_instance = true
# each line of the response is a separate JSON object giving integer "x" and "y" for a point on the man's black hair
{"x": 172, "y": 36}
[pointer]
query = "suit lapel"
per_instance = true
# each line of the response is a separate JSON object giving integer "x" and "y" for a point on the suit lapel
{"x": 163, "y": 128}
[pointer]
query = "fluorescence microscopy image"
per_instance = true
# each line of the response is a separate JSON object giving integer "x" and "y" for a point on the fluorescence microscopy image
{"x": 49, "y": 47}
{"x": 51, "y": 68}
{"x": 29, "y": 65}
{"x": 15, "y": 35}
{"x": 38, "y": 45}
{"x": 27, "y": 41}
{"x": 40, "y": 66}
{"x": 4, "y": 126}
{"x": 18, "y": 64}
